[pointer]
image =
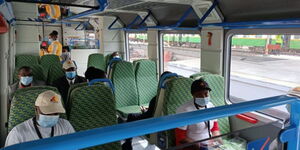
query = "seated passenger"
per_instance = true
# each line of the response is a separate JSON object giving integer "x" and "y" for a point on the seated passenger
{"x": 191, "y": 133}
{"x": 25, "y": 80}
{"x": 71, "y": 77}
{"x": 45, "y": 124}
{"x": 115, "y": 56}
{"x": 94, "y": 73}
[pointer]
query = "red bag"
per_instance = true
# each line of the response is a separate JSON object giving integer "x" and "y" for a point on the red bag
{"x": 3, "y": 25}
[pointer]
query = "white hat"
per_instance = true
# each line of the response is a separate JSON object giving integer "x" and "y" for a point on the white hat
{"x": 49, "y": 103}
{"x": 68, "y": 64}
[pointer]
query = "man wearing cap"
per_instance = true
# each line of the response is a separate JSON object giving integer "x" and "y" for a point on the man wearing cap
{"x": 45, "y": 124}
{"x": 191, "y": 133}
{"x": 70, "y": 78}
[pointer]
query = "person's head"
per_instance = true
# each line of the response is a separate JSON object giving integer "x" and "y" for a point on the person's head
{"x": 48, "y": 106}
{"x": 94, "y": 73}
{"x": 115, "y": 55}
{"x": 200, "y": 91}
{"x": 53, "y": 35}
{"x": 25, "y": 76}
{"x": 65, "y": 49}
{"x": 70, "y": 69}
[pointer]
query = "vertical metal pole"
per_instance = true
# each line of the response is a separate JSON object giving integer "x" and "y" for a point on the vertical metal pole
{"x": 4, "y": 46}
{"x": 294, "y": 143}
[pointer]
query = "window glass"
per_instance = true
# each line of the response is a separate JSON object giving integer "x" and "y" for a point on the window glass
{"x": 182, "y": 53}
{"x": 263, "y": 66}
{"x": 138, "y": 46}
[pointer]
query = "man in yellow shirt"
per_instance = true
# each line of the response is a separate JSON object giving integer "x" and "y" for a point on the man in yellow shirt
{"x": 54, "y": 45}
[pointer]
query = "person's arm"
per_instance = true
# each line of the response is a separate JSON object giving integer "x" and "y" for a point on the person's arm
{"x": 12, "y": 138}
{"x": 216, "y": 131}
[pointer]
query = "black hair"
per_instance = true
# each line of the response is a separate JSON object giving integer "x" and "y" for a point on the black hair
{"x": 94, "y": 73}
{"x": 67, "y": 48}
{"x": 25, "y": 68}
{"x": 199, "y": 85}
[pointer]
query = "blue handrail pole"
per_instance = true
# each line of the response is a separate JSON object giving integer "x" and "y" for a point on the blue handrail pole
{"x": 143, "y": 21}
{"x": 291, "y": 135}
{"x": 264, "y": 26}
{"x": 211, "y": 8}
{"x": 114, "y": 133}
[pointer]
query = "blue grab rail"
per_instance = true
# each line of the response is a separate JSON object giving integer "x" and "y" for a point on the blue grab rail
{"x": 105, "y": 81}
{"x": 109, "y": 134}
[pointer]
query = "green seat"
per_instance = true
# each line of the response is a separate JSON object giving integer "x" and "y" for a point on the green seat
{"x": 199, "y": 75}
{"x": 216, "y": 83}
{"x": 97, "y": 61}
{"x": 26, "y": 60}
{"x": 123, "y": 78}
{"x": 146, "y": 80}
{"x": 178, "y": 92}
{"x": 55, "y": 72}
{"x": 47, "y": 60}
{"x": 107, "y": 58}
{"x": 37, "y": 71}
{"x": 23, "y": 104}
{"x": 93, "y": 107}
{"x": 69, "y": 102}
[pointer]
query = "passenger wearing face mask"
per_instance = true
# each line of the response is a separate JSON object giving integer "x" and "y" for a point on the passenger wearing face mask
{"x": 54, "y": 46}
{"x": 70, "y": 78}
{"x": 26, "y": 79}
{"x": 66, "y": 54}
{"x": 191, "y": 133}
{"x": 45, "y": 124}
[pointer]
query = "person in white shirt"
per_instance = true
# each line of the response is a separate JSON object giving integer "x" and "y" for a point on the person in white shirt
{"x": 45, "y": 124}
{"x": 191, "y": 133}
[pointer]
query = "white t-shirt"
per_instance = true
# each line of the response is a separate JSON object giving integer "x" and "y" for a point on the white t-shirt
{"x": 197, "y": 131}
{"x": 25, "y": 131}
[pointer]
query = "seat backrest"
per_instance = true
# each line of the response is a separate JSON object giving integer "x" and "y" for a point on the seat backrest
{"x": 22, "y": 107}
{"x": 199, "y": 75}
{"x": 55, "y": 72}
{"x": 47, "y": 60}
{"x": 26, "y": 60}
{"x": 123, "y": 78}
{"x": 177, "y": 92}
{"x": 216, "y": 83}
{"x": 93, "y": 107}
{"x": 69, "y": 102}
{"x": 146, "y": 80}
{"x": 97, "y": 61}
{"x": 37, "y": 71}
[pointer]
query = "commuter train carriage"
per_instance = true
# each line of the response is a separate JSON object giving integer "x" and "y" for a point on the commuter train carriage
{"x": 247, "y": 51}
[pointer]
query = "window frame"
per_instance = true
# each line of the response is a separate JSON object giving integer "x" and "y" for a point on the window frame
{"x": 162, "y": 50}
{"x": 227, "y": 54}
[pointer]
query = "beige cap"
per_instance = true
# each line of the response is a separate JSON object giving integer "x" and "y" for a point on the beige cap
{"x": 49, "y": 103}
{"x": 69, "y": 64}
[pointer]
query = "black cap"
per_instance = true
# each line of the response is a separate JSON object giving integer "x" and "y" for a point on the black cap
{"x": 199, "y": 85}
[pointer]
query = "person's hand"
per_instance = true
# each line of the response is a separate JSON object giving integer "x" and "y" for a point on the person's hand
{"x": 144, "y": 109}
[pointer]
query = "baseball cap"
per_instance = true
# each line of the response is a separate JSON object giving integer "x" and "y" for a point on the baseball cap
{"x": 68, "y": 64}
{"x": 199, "y": 85}
{"x": 49, "y": 103}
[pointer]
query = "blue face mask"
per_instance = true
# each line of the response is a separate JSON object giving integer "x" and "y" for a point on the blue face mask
{"x": 202, "y": 101}
{"x": 26, "y": 80}
{"x": 47, "y": 121}
{"x": 71, "y": 74}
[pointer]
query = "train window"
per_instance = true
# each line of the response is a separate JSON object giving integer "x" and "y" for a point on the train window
{"x": 182, "y": 53}
{"x": 263, "y": 66}
{"x": 138, "y": 46}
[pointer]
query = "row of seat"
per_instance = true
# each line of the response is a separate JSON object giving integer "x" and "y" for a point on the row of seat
{"x": 92, "y": 107}
{"x": 135, "y": 85}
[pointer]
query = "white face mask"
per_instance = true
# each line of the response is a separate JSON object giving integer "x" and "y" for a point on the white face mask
{"x": 47, "y": 121}
{"x": 202, "y": 101}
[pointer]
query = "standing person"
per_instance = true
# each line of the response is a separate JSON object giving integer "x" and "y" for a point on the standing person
{"x": 45, "y": 124}
{"x": 26, "y": 79}
{"x": 71, "y": 77}
{"x": 191, "y": 133}
{"x": 54, "y": 47}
